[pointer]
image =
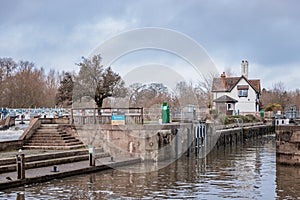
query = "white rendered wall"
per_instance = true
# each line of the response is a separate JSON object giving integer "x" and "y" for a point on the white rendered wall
{"x": 244, "y": 104}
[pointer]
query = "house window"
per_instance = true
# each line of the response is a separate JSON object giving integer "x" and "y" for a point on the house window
{"x": 243, "y": 93}
{"x": 243, "y": 90}
{"x": 229, "y": 106}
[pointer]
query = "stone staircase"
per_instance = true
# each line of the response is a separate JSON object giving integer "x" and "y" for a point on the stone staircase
{"x": 51, "y": 136}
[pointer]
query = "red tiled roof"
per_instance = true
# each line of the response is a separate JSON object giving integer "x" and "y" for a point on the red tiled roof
{"x": 219, "y": 85}
{"x": 255, "y": 84}
{"x": 226, "y": 84}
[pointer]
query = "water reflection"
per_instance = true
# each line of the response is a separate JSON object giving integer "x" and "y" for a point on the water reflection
{"x": 241, "y": 172}
{"x": 288, "y": 182}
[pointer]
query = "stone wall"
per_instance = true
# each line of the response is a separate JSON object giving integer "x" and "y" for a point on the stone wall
{"x": 233, "y": 136}
{"x": 149, "y": 142}
{"x": 30, "y": 130}
{"x": 161, "y": 142}
{"x": 62, "y": 120}
{"x": 288, "y": 145}
{"x": 11, "y": 145}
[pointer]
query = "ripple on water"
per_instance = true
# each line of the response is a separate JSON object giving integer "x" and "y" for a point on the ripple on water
{"x": 248, "y": 171}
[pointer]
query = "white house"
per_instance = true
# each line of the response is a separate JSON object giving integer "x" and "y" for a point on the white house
{"x": 236, "y": 94}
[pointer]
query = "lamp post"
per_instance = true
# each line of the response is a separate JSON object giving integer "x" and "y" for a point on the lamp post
{"x": 92, "y": 156}
{"x": 20, "y": 165}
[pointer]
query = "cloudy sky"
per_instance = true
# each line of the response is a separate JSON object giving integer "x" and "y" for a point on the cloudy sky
{"x": 56, "y": 34}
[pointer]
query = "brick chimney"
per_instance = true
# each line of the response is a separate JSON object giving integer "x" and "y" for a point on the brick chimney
{"x": 244, "y": 68}
{"x": 223, "y": 79}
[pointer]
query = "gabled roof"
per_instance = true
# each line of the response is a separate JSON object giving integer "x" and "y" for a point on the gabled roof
{"x": 225, "y": 99}
{"x": 255, "y": 84}
{"x": 226, "y": 84}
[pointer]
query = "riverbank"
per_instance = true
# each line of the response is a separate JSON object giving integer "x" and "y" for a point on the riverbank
{"x": 43, "y": 174}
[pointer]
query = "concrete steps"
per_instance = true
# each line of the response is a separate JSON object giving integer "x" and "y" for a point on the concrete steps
{"x": 54, "y": 147}
{"x": 53, "y": 143}
{"x": 50, "y": 136}
{"x": 49, "y": 159}
{"x": 54, "y": 140}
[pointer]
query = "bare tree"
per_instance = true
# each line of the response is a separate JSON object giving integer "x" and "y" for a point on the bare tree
{"x": 205, "y": 86}
{"x": 280, "y": 94}
{"x": 26, "y": 89}
{"x": 7, "y": 67}
{"x": 51, "y": 87}
{"x": 97, "y": 82}
{"x": 22, "y": 84}
{"x": 229, "y": 72}
{"x": 147, "y": 95}
{"x": 185, "y": 93}
{"x": 110, "y": 85}
{"x": 25, "y": 66}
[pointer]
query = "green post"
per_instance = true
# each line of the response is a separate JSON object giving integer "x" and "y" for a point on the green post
{"x": 165, "y": 113}
{"x": 262, "y": 113}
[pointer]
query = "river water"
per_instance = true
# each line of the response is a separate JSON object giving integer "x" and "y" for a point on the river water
{"x": 247, "y": 171}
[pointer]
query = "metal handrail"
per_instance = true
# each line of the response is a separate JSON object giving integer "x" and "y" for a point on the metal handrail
{"x": 103, "y": 115}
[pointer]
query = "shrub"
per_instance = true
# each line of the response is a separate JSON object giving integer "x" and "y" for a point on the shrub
{"x": 246, "y": 119}
{"x": 273, "y": 107}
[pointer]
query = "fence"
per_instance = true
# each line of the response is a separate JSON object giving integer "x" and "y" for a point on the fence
{"x": 287, "y": 114}
{"x": 138, "y": 115}
{"x": 188, "y": 113}
{"x": 83, "y": 116}
{"x": 176, "y": 114}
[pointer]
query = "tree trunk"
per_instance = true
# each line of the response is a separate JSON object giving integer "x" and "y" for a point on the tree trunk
{"x": 99, "y": 103}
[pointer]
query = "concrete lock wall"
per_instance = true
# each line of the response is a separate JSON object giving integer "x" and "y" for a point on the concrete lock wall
{"x": 288, "y": 145}
{"x": 160, "y": 142}
{"x": 233, "y": 136}
{"x": 149, "y": 142}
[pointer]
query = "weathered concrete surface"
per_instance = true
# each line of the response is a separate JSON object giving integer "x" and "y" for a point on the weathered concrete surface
{"x": 8, "y": 163}
{"x": 143, "y": 142}
{"x": 36, "y": 123}
{"x": 288, "y": 144}
{"x": 11, "y": 145}
{"x": 62, "y": 120}
{"x": 30, "y": 130}
{"x": 50, "y": 133}
{"x": 149, "y": 142}
{"x": 242, "y": 134}
{"x": 159, "y": 142}
{"x": 64, "y": 170}
{"x": 232, "y": 136}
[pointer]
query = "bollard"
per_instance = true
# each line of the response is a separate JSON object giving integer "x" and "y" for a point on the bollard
{"x": 22, "y": 119}
{"x": 55, "y": 169}
{"x": 176, "y": 143}
{"x": 188, "y": 142}
{"x": 92, "y": 156}
{"x": 194, "y": 128}
{"x": 197, "y": 139}
{"x": 20, "y": 166}
{"x": 112, "y": 159}
{"x": 198, "y": 136}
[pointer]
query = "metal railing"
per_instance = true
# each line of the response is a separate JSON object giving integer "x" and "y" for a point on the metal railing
{"x": 133, "y": 115}
{"x": 81, "y": 116}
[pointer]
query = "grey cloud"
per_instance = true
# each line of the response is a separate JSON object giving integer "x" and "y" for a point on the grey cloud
{"x": 264, "y": 32}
